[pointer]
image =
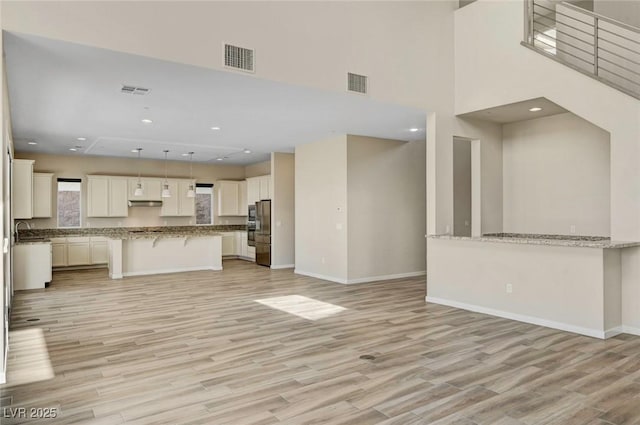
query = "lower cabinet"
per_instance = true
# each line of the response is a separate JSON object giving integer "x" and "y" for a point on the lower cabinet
{"x": 79, "y": 251}
{"x": 235, "y": 244}
{"x": 31, "y": 265}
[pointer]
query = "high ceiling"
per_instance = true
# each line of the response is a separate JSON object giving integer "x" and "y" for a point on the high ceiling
{"x": 60, "y": 92}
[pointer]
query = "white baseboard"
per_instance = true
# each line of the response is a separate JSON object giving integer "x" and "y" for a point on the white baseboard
{"x": 595, "y": 333}
{"x": 283, "y": 266}
{"x": 320, "y": 276}
{"x": 631, "y": 330}
{"x": 613, "y": 332}
{"x": 386, "y": 277}
{"x": 360, "y": 280}
{"x": 115, "y": 276}
{"x": 165, "y": 271}
{"x": 3, "y": 378}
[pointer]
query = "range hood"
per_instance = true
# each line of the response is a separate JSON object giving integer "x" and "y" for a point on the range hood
{"x": 145, "y": 203}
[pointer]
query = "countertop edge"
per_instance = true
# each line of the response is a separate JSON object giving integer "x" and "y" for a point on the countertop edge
{"x": 543, "y": 242}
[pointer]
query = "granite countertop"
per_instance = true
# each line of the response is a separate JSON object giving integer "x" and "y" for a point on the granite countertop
{"x": 550, "y": 240}
{"x": 130, "y": 232}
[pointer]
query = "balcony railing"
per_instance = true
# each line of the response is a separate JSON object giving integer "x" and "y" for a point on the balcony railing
{"x": 601, "y": 47}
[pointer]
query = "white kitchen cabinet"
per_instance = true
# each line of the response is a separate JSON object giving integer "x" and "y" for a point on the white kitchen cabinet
{"x": 187, "y": 206}
{"x": 265, "y": 187}
{"x": 242, "y": 198}
{"x": 78, "y": 251}
{"x": 179, "y": 204}
{"x": 107, "y": 196}
{"x": 31, "y": 265}
{"x": 59, "y": 253}
{"x": 42, "y": 194}
{"x": 22, "y": 186}
{"x": 97, "y": 196}
{"x": 99, "y": 250}
{"x": 118, "y": 197}
{"x": 228, "y": 197}
{"x": 228, "y": 243}
{"x": 258, "y": 188}
{"x": 251, "y": 252}
{"x": 253, "y": 190}
{"x": 170, "y": 205}
{"x": 151, "y": 189}
{"x": 241, "y": 244}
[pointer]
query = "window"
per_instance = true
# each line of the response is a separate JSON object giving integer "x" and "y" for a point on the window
{"x": 69, "y": 202}
{"x": 204, "y": 203}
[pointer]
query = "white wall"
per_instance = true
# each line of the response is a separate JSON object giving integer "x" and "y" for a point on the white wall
{"x": 5, "y": 207}
{"x": 283, "y": 210}
{"x": 78, "y": 166}
{"x": 553, "y": 286}
{"x": 489, "y": 137}
{"x": 258, "y": 169}
{"x": 291, "y": 39}
{"x": 556, "y": 175}
{"x": 627, "y": 11}
{"x": 386, "y": 205}
{"x": 492, "y": 69}
{"x": 461, "y": 187}
{"x": 321, "y": 208}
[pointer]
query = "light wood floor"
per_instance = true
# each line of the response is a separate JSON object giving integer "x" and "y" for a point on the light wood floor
{"x": 196, "y": 348}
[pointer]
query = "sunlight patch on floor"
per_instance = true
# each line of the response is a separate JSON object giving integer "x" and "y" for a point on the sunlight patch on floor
{"x": 28, "y": 360}
{"x": 302, "y": 306}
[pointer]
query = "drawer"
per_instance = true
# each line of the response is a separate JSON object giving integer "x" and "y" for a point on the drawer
{"x": 99, "y": 239}
{"x": 58, "y": 240}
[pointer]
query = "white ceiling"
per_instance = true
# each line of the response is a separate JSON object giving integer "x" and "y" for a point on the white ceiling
{"x": 60, "y": 91}
{"x": 518, "y": 111}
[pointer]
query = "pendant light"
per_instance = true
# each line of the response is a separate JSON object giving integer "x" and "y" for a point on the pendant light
{"x": 191, "y": 193}
{"x": 166, "y": 193}
{"x": 139, "y": 191}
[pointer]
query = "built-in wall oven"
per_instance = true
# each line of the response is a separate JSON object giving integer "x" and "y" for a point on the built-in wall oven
{"x": 251, "y": 225}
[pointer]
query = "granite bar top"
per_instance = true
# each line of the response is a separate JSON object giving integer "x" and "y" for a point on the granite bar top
{"x": 550, "y": 240}
{"x": 132, "y": 232}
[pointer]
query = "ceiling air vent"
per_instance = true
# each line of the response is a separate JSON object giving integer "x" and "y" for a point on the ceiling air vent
{"x": 238, "y": 58}
{"x": 357, "y": 83}
{"x": 141, "y": 91}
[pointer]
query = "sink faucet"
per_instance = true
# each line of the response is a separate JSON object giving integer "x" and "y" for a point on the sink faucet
{"x": 18, "y": 223}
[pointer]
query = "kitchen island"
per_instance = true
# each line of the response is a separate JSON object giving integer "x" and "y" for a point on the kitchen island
{"x": 571, "y": 283}
{"x": 155, "y": 252}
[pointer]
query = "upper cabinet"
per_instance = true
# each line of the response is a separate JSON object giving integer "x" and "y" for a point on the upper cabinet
{"x": 179, "y": 204}
{"x": 258, "y": 188}
{"x": 42, "y": 194}
{"x": 22, "y": 198}
{"x": 228, "y": 197}
{"x": 151, "y": 189}
{"x": 107, "y": 196}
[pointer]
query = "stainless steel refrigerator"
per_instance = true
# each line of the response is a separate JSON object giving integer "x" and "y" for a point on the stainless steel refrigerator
{"x": 263, "y": 233}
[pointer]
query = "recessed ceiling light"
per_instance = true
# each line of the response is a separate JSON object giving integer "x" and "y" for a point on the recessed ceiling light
{"x": 219, "y": 159}
{"x": 247, "y": 151}
{"x": 215, "y": 128}
{"x": 82, "y": 139}
{"x": 73, "y": 149}
{"x": 146, "y": 121}
{"x": 185, "y": 154}
{"x": 413, "y": 130}
{"x": 535, "y": 109}
{"x": 134, "y": 150}
{"x": 32, "y": 143}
